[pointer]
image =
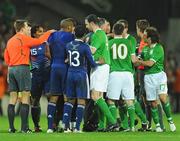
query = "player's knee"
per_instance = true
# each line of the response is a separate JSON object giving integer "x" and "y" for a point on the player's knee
{"x": 163, "y": 98}
{"x": 25, "y": 99}
{"x": 35, "y": 102}
{"x": 13, "y": 98}
{"x": 153, "y": 104}
{"x": 110, "y": 102}
{"x": 71, "y": 100}
{"x": 94, "y": 96}
{"x": 53, "y": 99}
{"x": 81, "y": 101}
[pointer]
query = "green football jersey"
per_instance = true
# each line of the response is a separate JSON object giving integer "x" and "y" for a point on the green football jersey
{"x": 132, "y": 41}
{"x": 120, "y": 54}
{"x": 133, "y": 44}
{"x": 99, "y": 40}
{"x": 155, "y": 54}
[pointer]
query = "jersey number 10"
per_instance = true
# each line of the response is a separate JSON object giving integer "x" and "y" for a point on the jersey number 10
{"x": 119, "y": 51}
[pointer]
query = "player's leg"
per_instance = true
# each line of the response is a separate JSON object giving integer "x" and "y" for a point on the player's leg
{"x": 151, "y": 96}
{"x": 11, "y": 111}
{"x": 123, "y": 115}
{"x": 163, "y": 96}
{"x": 99, "y": 81}
{"x": 13, "y": 88}
{"x": 55, "y": 90}
{"x": 79, "y": 114}
{"x": 139, "y": 112}
{"x": 36, "y": 91}
{"x": 24, "y": 82}
{"x": 57, "y": 125}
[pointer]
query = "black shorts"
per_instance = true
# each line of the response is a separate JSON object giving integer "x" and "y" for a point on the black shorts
{"x": 19, "y": 78}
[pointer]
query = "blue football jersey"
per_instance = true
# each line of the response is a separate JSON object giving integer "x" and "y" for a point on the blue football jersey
{"x": 38, "y": 58}
{"x": 57, "y": 42}
{"x": 78, "y": 54}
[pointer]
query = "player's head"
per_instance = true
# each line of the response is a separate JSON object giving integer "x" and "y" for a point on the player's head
{"x": 37, "y": 31}
{"x": 152, "y": 35}
{"x": 80, "y": 31}
{"x": 67, "y": 25}
{"x": 91, "y": 21}
{"x": 125, "y": 23}
{"x": 118, "y": 29}
{"x": 141, "y": 26}
{"x": 22, "y": 26}
{"x": 104, "y": 25}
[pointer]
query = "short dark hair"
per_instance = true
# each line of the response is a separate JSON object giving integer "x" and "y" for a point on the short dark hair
{"x": 19, "y": 24}
{"x": 153, "y": 34}
{"x": 34, "y": 29}
{"x": 125, "y": 22}
{"x": 92, "y": 18}
{"x": 102, "y": 21}
{"x": 80, "y": 30}
{"x": 118, "y": 28}
{"x": 142, "y": 24}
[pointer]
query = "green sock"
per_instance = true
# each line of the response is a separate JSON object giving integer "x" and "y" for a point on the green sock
{"x": 101, "y": 119}
{"x": 123, "y": 116}
{"x": 160, "y": 116}
{"x": 131, "y": 112}
{"x": 167, "y": 110}
{"x": 104, "y": 108}
{"x": 140, "y": 112}
{"x": 113, "y": 110}
{"x": 155, "y": 115}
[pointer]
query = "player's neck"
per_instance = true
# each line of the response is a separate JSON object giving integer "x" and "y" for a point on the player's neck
{"x": 95, "y": 28}
{"x": 118, "y": 36}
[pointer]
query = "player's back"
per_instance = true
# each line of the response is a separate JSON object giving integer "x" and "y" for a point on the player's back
{"x": 120, "y": 54}
{"x": 78, "y": 55}
{"x": 57, "y": 42}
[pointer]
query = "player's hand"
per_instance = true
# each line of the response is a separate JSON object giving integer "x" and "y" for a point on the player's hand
{"x": 93, "y": 49}
{"x": 101, "y": 61}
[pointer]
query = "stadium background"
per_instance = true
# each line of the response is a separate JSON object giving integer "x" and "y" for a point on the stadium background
{"x": 163, "y": 14}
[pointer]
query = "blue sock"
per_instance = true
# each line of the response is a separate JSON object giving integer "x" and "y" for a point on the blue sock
{"x": 51, "y": 111}
{"x": 67, "y": 114}
{"x": 79, "y": 115}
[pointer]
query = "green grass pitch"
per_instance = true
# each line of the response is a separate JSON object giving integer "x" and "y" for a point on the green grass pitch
{"x": 115, "y": 136}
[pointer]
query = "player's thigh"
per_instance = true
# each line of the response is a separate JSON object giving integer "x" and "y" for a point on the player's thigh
{"x": 127, "y": 86}
{"x": 162, "y": 83}
{"x": 70, "y": 86}
{"x": 99, "y": 78}
{"x": 82, "y": 86}
{"x": 23, "y": 78}
{"x": 13, "y": 85}
{"x": 56, "y": 81}
{"x": 114, "y": 86}
{"x": 37, "y": 85}
{"x": 150, "y": 88}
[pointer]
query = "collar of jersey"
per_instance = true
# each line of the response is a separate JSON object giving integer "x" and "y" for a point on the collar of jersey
{"x": 98, "y": 29}
{"x": 127, "y": 36}
{"x": 153, "y": 45}
{"x": 118, "y": 37}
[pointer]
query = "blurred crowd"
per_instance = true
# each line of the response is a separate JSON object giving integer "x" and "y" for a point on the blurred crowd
{"x": 7, "y": 16}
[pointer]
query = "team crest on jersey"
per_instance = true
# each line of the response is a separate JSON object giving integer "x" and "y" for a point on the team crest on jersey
{"x": 40, "y": 48}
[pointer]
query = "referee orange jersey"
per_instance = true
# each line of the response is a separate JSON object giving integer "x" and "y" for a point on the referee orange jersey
{"x": 17, "y": 51}
{"x": 141, "y": 46}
